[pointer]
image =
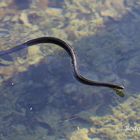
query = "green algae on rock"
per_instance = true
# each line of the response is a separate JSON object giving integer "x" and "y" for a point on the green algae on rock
{"x": 117, "y": 125}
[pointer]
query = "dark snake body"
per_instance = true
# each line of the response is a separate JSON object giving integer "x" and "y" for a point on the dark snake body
{"x": 70, "y": 51}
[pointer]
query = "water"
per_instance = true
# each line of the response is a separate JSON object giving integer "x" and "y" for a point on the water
{"x": 40, "y": 97}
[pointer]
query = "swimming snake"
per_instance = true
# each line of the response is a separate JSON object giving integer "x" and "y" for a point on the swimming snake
{"x": 72, "y": 54}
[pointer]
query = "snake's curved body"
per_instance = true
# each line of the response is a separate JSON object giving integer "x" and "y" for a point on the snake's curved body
{"x": 70, "y": 51}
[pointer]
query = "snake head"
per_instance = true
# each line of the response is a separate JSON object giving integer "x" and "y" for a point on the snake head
{"x": 119, "y": 92}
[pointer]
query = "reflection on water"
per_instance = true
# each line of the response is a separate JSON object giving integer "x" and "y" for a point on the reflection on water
{"x": 41, "y": 99}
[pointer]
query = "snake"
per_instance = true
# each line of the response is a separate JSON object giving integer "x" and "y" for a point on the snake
{"x": 70, "y": 50}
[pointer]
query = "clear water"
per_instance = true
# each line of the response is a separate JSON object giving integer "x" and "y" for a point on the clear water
{"x": 40, "y": 97}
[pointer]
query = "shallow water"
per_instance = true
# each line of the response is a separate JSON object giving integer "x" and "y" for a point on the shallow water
{"x": 40, "y": 97}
